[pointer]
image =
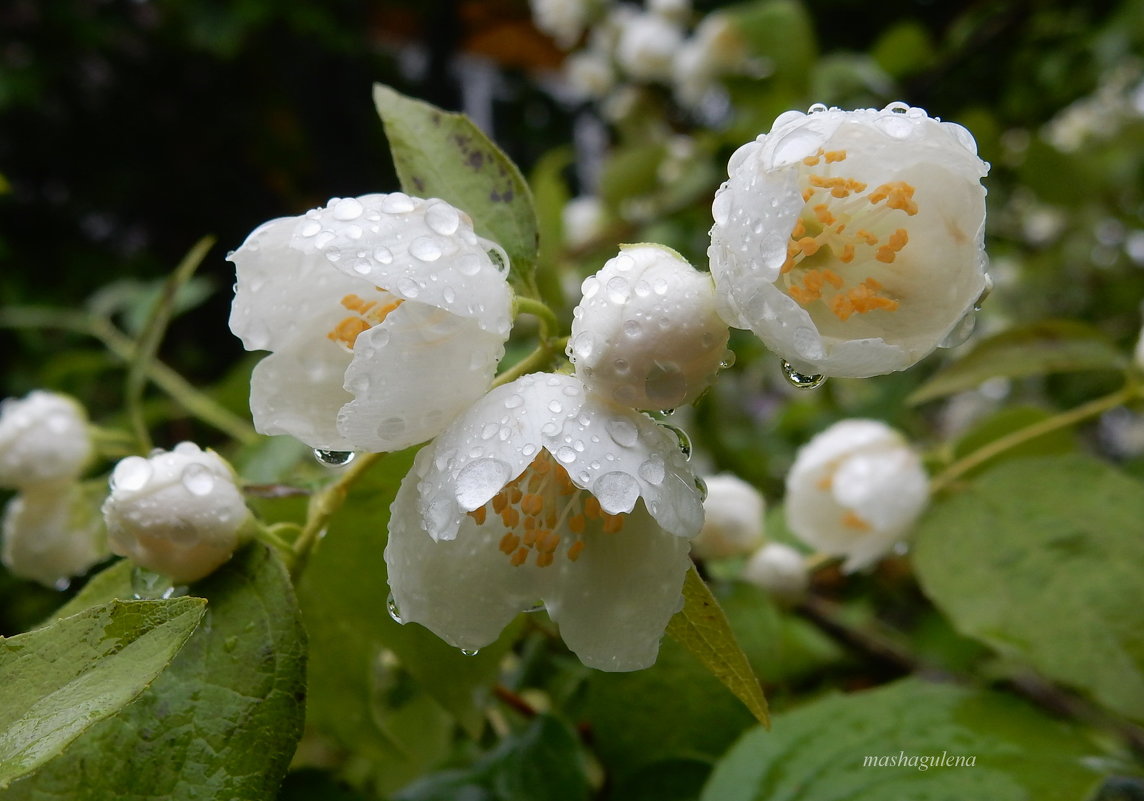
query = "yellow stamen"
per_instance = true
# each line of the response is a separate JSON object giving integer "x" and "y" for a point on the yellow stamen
{"x": 574, "y": 550}
{"x": 478, "y": 515}
{"x": 518, "y": 558}
{"x": 509, "y": 543}
{"x": 852, "y": 520}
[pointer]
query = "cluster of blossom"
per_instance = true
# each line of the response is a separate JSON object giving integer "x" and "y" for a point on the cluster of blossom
{"x": 618, "y": 46}
{"x": 849, "y": 242}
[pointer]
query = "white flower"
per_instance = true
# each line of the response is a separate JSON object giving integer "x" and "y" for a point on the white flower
{"x": 386, "y": 316}
{"x": 43, "y": 437}
{"x": 543, "y": 491}
{"x": 52, "y": 532}
{"x": 733, "y": 518}
{"x": 646, "y": 333}
{"x": 585, "y": 219}
{"x": 779, "y": 569}
{"x": 674, "y": 10}
{"x": 589, "y": 74}
{"x": 647, "y": 45}
{"x": 855, "y": 490}
{"x": 716, "y": 48}
{"x": 177, "y": 512}
{"x": 851, "y": 242}
{"x": 563, "y": 20}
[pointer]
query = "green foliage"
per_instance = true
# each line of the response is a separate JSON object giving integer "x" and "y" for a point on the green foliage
{"x": 818, "y": 751}
{"x": 220, "y": 722}
{"x": 58, "y": 681}
{"x": 1042, "y": 559}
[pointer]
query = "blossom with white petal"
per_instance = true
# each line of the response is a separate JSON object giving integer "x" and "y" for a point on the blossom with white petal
{"x": 178, "y": 513}
{"x": 733, "y": 518}
{"x": 43, "y": 437}
{"x": 585, "y": 219}
{"x": 716, "y": 48}
{"x": 779, "y": 569}
{"x": 386, "y": 316}
{"x": 647, "y": 45}
{"x": 544, "y": 491}
{"x": 563, "y": 20}
{"x": 851, "y": 242}
{"x": 646, "y": 333}
{"x": 674, "y": 10}
{"x": 855, "y": 490}
{"x": 52, "y": 532}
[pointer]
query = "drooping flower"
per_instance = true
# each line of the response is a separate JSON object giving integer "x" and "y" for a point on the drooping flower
{"x": 52, "y": 532}
{"x": 386, "y": 316}
{"x": 779, "y": 569}
{"x": 851, "y": 242}
{"x": 855, "y": 490}
{"x": 542, "y": 491}
{"x": 733, "y": 518}
{"x": 646, "y": 333}
{"x": 178, "y": 513}
{"x": 43, "y": 438}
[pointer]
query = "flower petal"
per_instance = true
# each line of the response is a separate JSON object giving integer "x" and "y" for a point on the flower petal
{"x": 299, "y": 392}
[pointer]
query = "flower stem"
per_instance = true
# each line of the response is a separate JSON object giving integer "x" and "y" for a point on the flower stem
{"x": 539, "y": 309}
{"x": 324, "y": 506}
{"x": 1063, "y": 420}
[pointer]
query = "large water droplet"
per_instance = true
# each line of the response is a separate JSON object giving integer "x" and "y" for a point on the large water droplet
{"x": 728, "y": 359}
{"x": 623, "y": 432}
{"x": 61, "y": 584}
{"x": 565, "y": 454}
{"x": 617, "y": 289}
{"x": 652, "y": 471}
{"x": 480, "y": 480}
{"x": 816, "y": 108}
{"x": 513, "y": 401}
{"x": 470, "y": 651}
{"x": 391, "y": 607}
{"x": 396, "y": 203}
{"x": 960, "y": 332}
{"x": 131, "y": 474}
{"x": 801, "y": 380}
{"x": 442, "y": 219}
{"x": 310, "y": 228}
{"x": 347, "y": 209}
{"x": 425, "y": 248}
{"x": 681, "y": 437}
{"x": 617, "y": 492}
{"x": 198, "y": 479}
{"x": 333, "y": 458}
{"x": 146, "y": 585}
{"x": 382, "y": 255}
{"x": 701, "y": 488}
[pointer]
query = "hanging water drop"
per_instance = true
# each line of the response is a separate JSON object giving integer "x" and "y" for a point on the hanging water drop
{"x": 701, "y": 488}
{"x": 147, "y": 585}
{"x": 801, "y": 380}
{"x": 960, "y": 332}
{"x": 667, "y": 412}
{"x": 334, "y": 458}
{"x": 391, "y": 607}
{"x": 728, "y": 360}
{"x": 470, "y": 652}
{"x": 681, "y": 436}
{"x": 60, "y": 585}
{"x": 984, "y": 293}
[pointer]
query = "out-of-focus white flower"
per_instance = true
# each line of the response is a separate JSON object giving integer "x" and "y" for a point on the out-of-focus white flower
{"x": 779, "y": 569}
{"x": 855, "y": 490}
{"x": 563, "y": 20}
{"x": 43, "y": 437}
{"x": 715, "y": 49}
{"x": 647, "y": 46}
{"x": 589, "y": 74}
{"x": 677, "y": 11}
{"x": 646, "y": 333}
{"x": 178, "y": 513}
{"x": 386, "y": 316}
{"x": 585, "y": 219}
{"x": 543, "y": 491}
{"x": 52, "y": 532}
{"x": 733, "y": 518}
{"x": 851, "y": 242}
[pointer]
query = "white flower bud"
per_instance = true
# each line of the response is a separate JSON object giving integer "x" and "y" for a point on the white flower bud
{"x": 589, "y": 74}
{"x": 177, "y": 513}
{"x": 563, "y": 20}
{"x": 851, "y": 242}
{"x": 647, "y": 46}
{"x": 646, "y": 333}
{"x": 780, "y": 570}
{"x": 674, "y": 10}
{"x": 716, "y": 48}
{"x": 52, "y": 532}
{"x": 43, "y": 437}
{"x": 733, "y": 519}
{"x": 855, "y": 490}
{"x": 584, "y": 220}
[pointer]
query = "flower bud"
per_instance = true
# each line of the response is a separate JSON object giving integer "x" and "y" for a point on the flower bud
{"x": 851, "y": 242}
{"x": 43, "y": 437}
{"x": 779, "y": 569}
{"x": 647, "y": 46}
{"x": 52, "y": 532}
{"x": 177, "y": 513}
{"x": 563, "y": 20}
{"x": 855, "y": 490}
{"x": 733, "y": 519}
{"x": 646, "y": 333}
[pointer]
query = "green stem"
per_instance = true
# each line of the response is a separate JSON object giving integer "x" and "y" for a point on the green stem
{"x": 540, "y": 310}
{"x": 1039, "y": 429}
{"x": 532, "y": 363}
{"x": 324, "y": 505}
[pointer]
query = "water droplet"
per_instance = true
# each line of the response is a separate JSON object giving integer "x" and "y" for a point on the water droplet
{"x": 310, "y": 228}
{"x": 617, "y": 289}
{"x": 442, "y": 218}
{"x": 449, "y": 294}
{"x": 817, "y": 108}
{"x": 396, "y": 203}
{"x": 131, "y": 474}
{"x": 623, "y": 432}
{"x": 480, "y": 480}
{"x": 632, "y": 329}
{"x": 409, "y": 288}
{"x": 565, "y": 454}
{"x": 728, "y": 360}
{"x": 198, "y": 479}
{"x": 333, "y": 458}
{"x": 513, "y": 401}
{"x": 960, "y": 332}
{"x": 617, "y": 492}
{"x": 382, "y": 255}
{"x": 555, "y": 406}
{"x": 61, "y": 584}
{"x": 425, "y": 248}
{"x": 801, "y": 380}
{"x": 681, "y": 436}
{"x": 146, "y": 585}
{"x": 701, "y": 488}
{"x": 362, "y": 267}
{"x": 470, "y": 651}
{"x": 347, "y": 209}
{"x": 652, "y": 471}
{"x": 985, "y": 292}
{"x": 391, "y": 607}
{"x": 667, "y": 412}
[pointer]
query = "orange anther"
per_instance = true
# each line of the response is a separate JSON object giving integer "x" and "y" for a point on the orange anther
{"x": 347, "y": 330}
{"x": 576, "y": 524}
{"x": 500, "y": 501}
{"x": 509, "y": 543}
{"x": 852, "y": 520}
{"x": 847, "y": 254}
{"x": 808, "y": 245}
{"x": 518, "y": 558}
{"x": 592, "y": 508}
{"x": 531, "y": 536}
{"x": 514, "y": 493}
{"x": 822, "y": 213}
{"x": 510, "y": 517}
{"x": 548, "y": 543}
{"x": 885, "y": 254}
{"x": 899, "y": 239}
{"x": 834, "y": 155}
{"x": 543, "y": 559}
{"x": 867, "y": 237}
{"x": 531, "y": 504}
{"x": 613, "y": 524}
{"x": 478, "y": 515}
{"x": 833, "y": 278}
{"x": 574, "y": 550}
{"x": 806, "y": 193}
{"x": 799, "y": 230}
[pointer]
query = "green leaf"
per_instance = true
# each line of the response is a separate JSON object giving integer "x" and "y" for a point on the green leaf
{"x": 221, "y": 722}
{"x": 1049, "y": 346}
{"x": 344, "y": 594}
{"x": 58, "y": 681}
{"x": 1006, "y": 421}
{"x": 1042, "y": 559}
{"x": 702, "y": 628}
{"x": 543, "y": 761}
{"x": 443, "y": 154}
{"x": 823, "y": 751}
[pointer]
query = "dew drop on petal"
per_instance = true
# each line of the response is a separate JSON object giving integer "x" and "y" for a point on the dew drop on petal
{"x": 681, "y": 437}
{"x": 347, "y": 209}
{"x": 817, "y": 108}
{"x": 985, "y": 292}
{"x": 442, "y": 219}
{"x": 565, "y": 454}
{"x": 425, "y": 248}
{"x": 623, "y": 432}
{"x": 701, "y": 488}
{"x": 131, "y": 474}
{"x": 198, "y": 479}
{"x": 480, "y": 480}
{"x": 652, "y": 471}
{"x": 513, "y": 401}
{"x": 728, "y": 359}
{"x": 396, "y": 203}
{"x": 382, "y": 255}
{"x": 310, "y": 228}
{"x": 61, "y": 584}
{"x": 333, "y": 458}
{"x": 960, "y": 332}
{"x": 800, "y": 380}
{"x": 555, "y": 407}
{"x": 409, "y": 288}
{"x": 391, "y": 608}
{"x": 617, "y": 289}
{"x": 362, "y": 267}
{"x": 617, "y": 492}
